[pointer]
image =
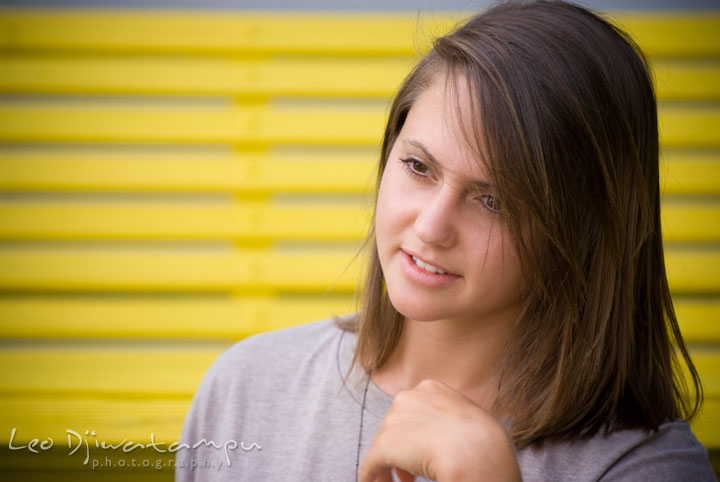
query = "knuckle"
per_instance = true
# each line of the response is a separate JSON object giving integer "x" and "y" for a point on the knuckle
{"x": 429, "y": 384}
{"x": 402, "y": 397}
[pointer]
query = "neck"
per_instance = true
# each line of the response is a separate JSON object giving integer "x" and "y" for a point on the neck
{"x": 464, "y": 355}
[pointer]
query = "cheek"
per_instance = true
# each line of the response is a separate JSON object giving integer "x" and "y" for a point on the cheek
{"x": 496, "y": 259}
{"x": 509, "y": 272}
{"x": 389, "y": 206}
{"x": 383, "y": 221}
{"x": 381, "y": 206}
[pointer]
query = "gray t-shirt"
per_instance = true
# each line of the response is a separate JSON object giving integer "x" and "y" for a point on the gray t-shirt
{"x": 277, "y": 407}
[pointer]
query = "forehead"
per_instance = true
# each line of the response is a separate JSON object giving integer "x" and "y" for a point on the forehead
{"x": 441, "y": 121}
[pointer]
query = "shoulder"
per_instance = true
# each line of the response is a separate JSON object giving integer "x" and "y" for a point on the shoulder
{"x": 278, "y": 352}
{"x": 269, "y": 363}
{"x": 672, "y": 453}
{"x": 281, "y": 345}
{"x": 259, "y": 368}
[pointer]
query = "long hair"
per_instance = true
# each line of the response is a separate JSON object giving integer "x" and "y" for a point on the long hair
{"x": 569, "y": 137}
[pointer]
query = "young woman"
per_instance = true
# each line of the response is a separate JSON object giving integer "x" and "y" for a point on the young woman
{"x": 516, "y": 321}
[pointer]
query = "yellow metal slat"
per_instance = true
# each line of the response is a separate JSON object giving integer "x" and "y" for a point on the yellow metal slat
{"x": 699, "y": 319}
{"x": 690, "y": 221}
{"x": 673, "y": 34}
{"x": 339, "y": 172}
{"x": 242, "y": 221}
{"x": 98, "y": 371}
{"x": 111, "y": 465}
{"x": 707, "y": 362}
{"x": 693, "y": 270}
{"x": 661, "y": 34}
{"x": 102, "y": 122}
{"x": 206, "y": 31}
{"x": 690, "y": 172}
{"x": 177, "y": 318}
{"x": 303, "y": 76}
{"x": 685, "y": 80}
{"x": 146, "y": 269}
{"x": 112, "y": 419}
{"x": 706, "y": 425}
{"x": 682, "y": 126}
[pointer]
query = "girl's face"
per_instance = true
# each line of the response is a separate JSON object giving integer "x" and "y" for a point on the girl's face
{"x": 441, "y": 239}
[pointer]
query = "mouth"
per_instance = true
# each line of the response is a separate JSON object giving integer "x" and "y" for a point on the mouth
{"x": 425, "y": 274}
{"x": 428, "y": 267}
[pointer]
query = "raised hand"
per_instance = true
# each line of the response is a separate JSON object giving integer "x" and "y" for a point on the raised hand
{"x": 438, "y": 433}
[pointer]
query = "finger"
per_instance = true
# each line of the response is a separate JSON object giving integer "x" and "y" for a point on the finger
{"x": 400, "y": 475}
{"x": 373, "y": 469}
{"x": 383, "y": 475}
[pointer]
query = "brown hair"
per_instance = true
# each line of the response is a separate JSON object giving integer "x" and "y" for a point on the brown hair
{"x": 570, "y": 144}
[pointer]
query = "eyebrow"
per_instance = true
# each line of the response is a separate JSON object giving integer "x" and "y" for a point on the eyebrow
{"x": 475, "y": 183}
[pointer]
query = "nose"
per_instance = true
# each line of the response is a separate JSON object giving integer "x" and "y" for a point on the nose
{"x": 436, "y": 221}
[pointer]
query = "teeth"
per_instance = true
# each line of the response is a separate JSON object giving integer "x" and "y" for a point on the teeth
{"x": 427, "y": 267}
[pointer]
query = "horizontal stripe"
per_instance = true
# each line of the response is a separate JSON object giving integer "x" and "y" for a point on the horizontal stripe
{"x": 222, "y": 317}
{"x": 676, "y": 34}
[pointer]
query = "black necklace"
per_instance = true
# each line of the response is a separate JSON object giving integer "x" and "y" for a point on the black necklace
{"x": 362, "y": 417}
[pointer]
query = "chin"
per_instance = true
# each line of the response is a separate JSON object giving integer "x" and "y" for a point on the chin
{"x": 418, "y": 311}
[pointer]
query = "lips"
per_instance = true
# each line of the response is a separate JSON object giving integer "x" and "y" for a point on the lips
{"x": 427, "y": 265}
{"x": 420, "y": 276}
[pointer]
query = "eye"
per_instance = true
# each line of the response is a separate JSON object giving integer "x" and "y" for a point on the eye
{"x": 490, "y": 203}
{"x": 415, "y": 167}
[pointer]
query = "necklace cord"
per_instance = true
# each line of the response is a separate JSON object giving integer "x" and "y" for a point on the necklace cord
{"x": 360, "y": 430}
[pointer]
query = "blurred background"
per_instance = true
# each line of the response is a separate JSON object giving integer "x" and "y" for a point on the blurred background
{"x": 178, "y": 175}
